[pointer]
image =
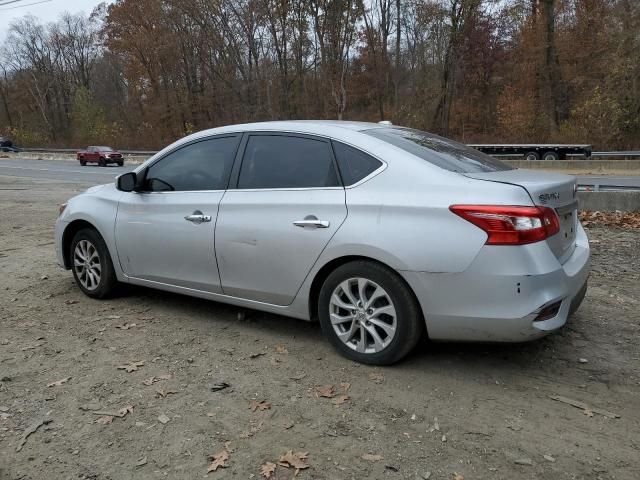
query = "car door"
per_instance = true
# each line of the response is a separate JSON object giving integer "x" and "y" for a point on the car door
{"x": 165, "y": 233}
{"x": 286, "y": 205}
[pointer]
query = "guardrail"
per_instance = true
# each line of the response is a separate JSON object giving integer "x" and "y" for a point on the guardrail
{"x": 626, "y": 154}
{"x": 590, "y": 187}
{"x": 74, "y": 150}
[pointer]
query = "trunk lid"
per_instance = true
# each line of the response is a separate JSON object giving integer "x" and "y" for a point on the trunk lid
{"x": 546, "y": 189}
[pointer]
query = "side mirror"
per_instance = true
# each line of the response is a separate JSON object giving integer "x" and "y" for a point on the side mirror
{"x": 127, "y": 182}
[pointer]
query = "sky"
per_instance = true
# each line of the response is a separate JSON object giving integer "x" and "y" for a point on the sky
{"x": 48, "y": 11}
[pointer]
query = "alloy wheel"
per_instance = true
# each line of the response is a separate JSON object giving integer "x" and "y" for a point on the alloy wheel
{"x": 86, "y": 263}
{"x": 363, "y": 315}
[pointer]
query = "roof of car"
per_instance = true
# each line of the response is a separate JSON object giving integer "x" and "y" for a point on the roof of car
{"x": 300, "y": 125}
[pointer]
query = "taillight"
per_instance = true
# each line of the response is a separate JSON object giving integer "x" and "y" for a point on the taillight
{"x": 510, "y": 225}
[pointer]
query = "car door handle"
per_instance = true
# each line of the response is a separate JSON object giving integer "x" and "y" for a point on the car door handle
{"x": 315, "y": 223}
{"x": 198, "y": 217}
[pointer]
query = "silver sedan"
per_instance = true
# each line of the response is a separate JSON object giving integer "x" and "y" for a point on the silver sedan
{"x": 381, "y": 233}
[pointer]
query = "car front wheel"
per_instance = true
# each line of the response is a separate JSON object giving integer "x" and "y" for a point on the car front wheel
{"x": 369, "y": 314}
{"x": 91, "y": 264}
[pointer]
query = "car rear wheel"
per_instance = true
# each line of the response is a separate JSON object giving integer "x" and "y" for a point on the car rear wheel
{"x": 91, "y": 264}
{"x": 120, "y": 164}
{"x": 369, "y": 314}
{"x": 82, "y": 162}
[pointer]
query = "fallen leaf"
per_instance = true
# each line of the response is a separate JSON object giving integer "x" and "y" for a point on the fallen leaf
{"x": 549, "y": 458}
{"x": 71, "y": 302}
{"x": 142, "y": 461}
{"x": 218, "y": 460}
{"x": 163, "y": 419}
{"x": 150, "y": 381}
{"x": 132, "y": 367}
{"x": 267, "y": 470}
{"x": 298, "y": 376}
{"x": 376, "y": 377}
{"x": 372, "y": 457}
{"x": 106, "y": 420}
{"x": 59, "y": 382}
{"x": 259, "y": 405}
{"x": 345, "y": 386}
{"x": 162, "y": 393}
{"x": 281, "y": 350}
{"x": 629, "y": 220}
{"x": 340, "y": 399}
{"x": 327, "y": 391}
{"x": 295, "y": 460}
{"x": 457, "y": 476}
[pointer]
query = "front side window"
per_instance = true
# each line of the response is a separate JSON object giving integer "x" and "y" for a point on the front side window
{"x": 354, "y": 164}
{"x": 204, "y": 165}
{"x": 280, "y": 161}
{"x": 440, "y": 151}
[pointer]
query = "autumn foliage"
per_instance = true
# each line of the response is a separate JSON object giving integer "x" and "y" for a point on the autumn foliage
{"x": 141, "y": 73}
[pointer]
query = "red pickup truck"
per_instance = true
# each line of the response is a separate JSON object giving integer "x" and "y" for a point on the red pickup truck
{"x": 100, "y": 155}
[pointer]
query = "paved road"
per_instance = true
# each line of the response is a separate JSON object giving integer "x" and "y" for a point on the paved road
{"x": 71, "y": 171}
{"x": 62, "y": 170}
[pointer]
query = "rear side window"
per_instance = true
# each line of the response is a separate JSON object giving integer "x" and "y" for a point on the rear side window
{"x": 204, "y": 165}
{"x": 442, "y": 152}
{"x": 279, "y": 161}
{"x": 354, "y": 164}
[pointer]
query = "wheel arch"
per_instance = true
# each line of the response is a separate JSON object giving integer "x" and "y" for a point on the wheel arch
{"x": 330, "y": 266}
{"x": 67, "y": 237}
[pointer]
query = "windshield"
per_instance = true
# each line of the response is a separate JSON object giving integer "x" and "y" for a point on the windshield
{"x": 440, "y": 151}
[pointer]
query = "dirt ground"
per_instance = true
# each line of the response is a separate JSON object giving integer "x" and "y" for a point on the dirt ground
{"x": 449, "y": 411}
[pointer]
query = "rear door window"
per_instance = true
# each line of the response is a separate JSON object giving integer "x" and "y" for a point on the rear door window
{"x": 354, "y": 164}
{"x": 440, "y": 151}
{"x": 282, "y": 161}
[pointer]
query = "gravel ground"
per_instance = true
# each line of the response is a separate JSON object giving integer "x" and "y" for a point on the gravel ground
{"x": 449, "y": 411}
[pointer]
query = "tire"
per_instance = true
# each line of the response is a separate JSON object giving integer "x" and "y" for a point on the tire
{"x": 408, "y": 320}
{"x": 120, "y": 164}
{"x": 550, "y": 156}
{"x": 83, "y": 163}
{"x": 102, "y": 162}
{"x": 102, "y": 282}
{"x": 532, "y": 155}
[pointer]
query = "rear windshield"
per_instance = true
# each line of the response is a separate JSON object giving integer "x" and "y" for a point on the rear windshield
{"x": 442, "y": 152}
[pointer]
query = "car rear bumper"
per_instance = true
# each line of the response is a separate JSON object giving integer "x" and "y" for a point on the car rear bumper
{"x": 501, "y": 296}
